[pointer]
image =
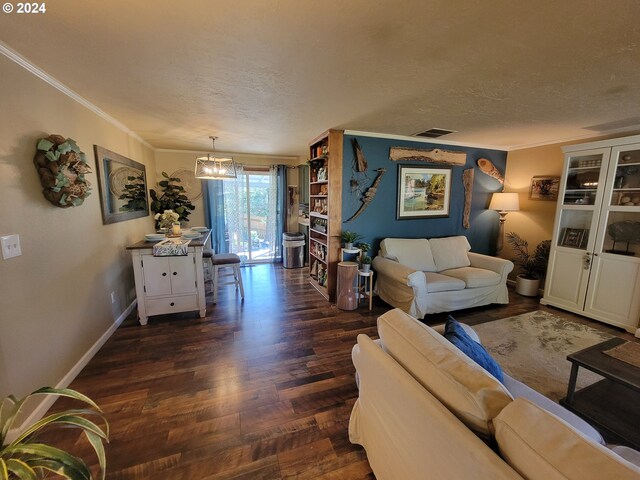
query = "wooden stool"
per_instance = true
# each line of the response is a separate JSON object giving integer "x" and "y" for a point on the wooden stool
{"x": 222, "y": 260}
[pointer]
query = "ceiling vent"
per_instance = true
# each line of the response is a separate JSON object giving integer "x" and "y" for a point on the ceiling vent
{"x": 434, "y": 133}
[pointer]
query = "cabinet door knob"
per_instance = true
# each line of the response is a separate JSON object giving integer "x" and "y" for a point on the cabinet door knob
{"x": 164, "y": 274}
{"x": 172, "y": 304}
{"x": 175, "y": 273}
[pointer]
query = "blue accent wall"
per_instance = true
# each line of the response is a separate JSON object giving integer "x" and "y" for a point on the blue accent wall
{"x": 378, "y": 221}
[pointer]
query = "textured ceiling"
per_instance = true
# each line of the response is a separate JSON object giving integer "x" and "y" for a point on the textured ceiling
{"x": 266, "y": 76}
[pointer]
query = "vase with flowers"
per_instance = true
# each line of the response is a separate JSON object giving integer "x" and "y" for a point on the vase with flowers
{"x": 166, "y": 220}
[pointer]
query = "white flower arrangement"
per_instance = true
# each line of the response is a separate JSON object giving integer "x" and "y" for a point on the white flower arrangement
{"x": 167, "y": 218}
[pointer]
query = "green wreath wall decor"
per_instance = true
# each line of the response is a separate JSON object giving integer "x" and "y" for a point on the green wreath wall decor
{"x": 62, "y": 168}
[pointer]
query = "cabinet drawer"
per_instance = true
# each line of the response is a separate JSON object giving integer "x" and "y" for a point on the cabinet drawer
{"x": 158, "y": 306}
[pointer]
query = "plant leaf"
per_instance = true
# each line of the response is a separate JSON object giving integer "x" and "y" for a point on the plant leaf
{"x": 13, "y": 413}
{"x": 4, "y": 473}
{"x": 98, "y": 446}
{"x": 58, "y": 468}
{"x": 21, "y": 469}
{"x": 67, "y": 463}
{"x": 64, "y": 148}
{"x": 69, "y": 417}
{"x": 44, "y": 144}
{"x": 66, "y": 392}
{"x": 52, "y": 156}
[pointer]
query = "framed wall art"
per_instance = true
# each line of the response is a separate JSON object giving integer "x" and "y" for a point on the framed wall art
{"x": 423, "y": 192}
{"x": 123, "y": 187}
{"x": 544, "y": 188}
{"x": 574, "y": 237}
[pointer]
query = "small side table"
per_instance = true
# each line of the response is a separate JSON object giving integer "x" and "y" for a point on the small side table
{"x": 346, "y": 291}
{"x": 363, "y": 291}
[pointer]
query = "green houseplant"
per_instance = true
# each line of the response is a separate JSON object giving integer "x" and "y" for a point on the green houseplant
{"x": 532, "y": 266}
{"x": 26, "y": 458}
{"x": 349, "y": 238}
{"x": 172, "y": 198}
{"x": 365, "y": 259}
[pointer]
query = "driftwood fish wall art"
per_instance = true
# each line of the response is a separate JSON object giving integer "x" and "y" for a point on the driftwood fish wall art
{"x": 487, "y": 167}
{"x": 361, "y": 161}
{"x": 467, "y": 182}
{"x": 436, "y": 155}
{"x": 369, "y": 195}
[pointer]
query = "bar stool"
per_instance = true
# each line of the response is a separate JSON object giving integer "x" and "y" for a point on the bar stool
{"x": 222, "y": 260}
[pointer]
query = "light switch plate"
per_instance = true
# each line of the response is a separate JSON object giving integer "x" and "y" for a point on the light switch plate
{"x": 10, "y": 246}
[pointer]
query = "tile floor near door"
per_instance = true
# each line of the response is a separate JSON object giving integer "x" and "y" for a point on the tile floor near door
{"x": 260, "y": 389}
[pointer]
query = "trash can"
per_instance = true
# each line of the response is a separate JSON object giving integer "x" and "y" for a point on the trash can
{"x": 293, "y": 250}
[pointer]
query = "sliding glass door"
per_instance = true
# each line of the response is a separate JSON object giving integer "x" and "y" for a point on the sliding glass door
{"x": 249, "y": 216}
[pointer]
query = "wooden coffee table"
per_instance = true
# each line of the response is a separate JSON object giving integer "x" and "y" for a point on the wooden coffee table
{"x": 613, "y": 404}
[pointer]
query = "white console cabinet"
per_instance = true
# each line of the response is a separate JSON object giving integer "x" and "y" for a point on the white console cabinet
{"x": 168, "y": 284}
{"x": 594, "y": 265}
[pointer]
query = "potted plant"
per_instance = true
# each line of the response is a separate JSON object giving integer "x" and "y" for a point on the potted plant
{"x": 349, "y": 238}
{"x": 365, "y": 259}
{"x": 172, "y": 198}
{"x": 365, "y": 262}
{"x": 28, "y": 458}
{"x": 532, "y": 266}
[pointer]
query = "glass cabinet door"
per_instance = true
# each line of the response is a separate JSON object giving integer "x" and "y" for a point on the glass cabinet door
{"x": 619, "y": 233}
{"x": 581, "y": 197}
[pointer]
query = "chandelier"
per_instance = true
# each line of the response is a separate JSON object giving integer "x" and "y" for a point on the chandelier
{"x": 213, "y": 167}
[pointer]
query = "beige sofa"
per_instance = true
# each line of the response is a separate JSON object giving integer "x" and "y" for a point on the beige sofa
{"x": 427, "y": 411}
{"x": 423, "y": 276}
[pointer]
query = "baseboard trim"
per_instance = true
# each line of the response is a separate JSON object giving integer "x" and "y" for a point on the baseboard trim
{"x": 41, "y": 409}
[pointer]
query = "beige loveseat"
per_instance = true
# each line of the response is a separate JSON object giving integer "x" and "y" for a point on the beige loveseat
{"x": 423, "y": 276}
{"x": 427, "y": 411}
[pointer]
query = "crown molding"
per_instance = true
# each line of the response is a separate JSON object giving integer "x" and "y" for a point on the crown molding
{"x": 595, "y": 136}
{"x": 432, "y": 141}
{"x": 222, "y": 152}
{"x": 41, "y": 74}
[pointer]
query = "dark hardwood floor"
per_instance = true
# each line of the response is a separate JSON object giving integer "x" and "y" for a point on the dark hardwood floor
{"x": 260, "y": 389}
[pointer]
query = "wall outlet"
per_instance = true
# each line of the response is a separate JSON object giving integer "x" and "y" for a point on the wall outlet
{"x": 10, "y": 246}
{"x": 113, "y": 297}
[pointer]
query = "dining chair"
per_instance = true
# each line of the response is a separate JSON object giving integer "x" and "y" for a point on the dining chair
{"x": 224, "y": 260}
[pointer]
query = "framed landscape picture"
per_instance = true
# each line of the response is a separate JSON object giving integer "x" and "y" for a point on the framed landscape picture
{"x": 423, "y": 192}
{"x": 544, "y": 188}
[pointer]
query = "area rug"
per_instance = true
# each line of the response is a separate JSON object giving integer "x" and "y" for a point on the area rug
{"x": 533, "y": 348}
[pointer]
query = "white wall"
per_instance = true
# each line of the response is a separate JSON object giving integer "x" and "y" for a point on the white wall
{"x": 55, "y": 298}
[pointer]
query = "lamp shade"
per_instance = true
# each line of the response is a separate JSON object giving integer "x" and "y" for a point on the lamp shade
{"x": 214, "y": 167}
{"x": 505, "y": 202}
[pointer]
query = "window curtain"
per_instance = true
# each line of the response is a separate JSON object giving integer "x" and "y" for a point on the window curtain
{"x": 235, "y": 201}
{"x": 279, "y": 207}
{"x": 214, "y": 214}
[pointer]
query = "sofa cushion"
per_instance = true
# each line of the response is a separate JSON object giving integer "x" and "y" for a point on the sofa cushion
{"x": 455, "y": 333}
{"x": 518, "y": 389}
{"x": 412, "y": 252}
{"x": 442, "y": 283}
{"x": 465, "y": 388}
{"x": 450, "y": 252}
{"x": 628, "y": 453}
{"x": 474, "y": 277}
{"x": 541, "y": 446}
